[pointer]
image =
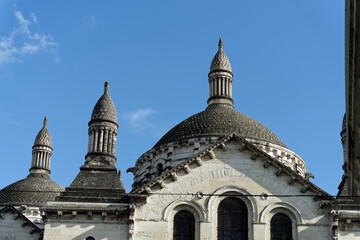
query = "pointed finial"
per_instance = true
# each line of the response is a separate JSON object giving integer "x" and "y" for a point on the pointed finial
{"x": 106, "y": 87}
{"x": 45, "y": 122}
{"x": 221, "y": 43}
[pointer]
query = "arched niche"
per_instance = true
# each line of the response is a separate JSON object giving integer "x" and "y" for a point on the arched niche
{"x": 172, "y": 209}
{"x": 219, "y": 195}
{"x": 280, "y": 208}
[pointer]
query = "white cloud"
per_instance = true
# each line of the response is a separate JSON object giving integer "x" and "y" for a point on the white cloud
{"x": 29, "y": 48}
{"x": 23, "y": 23}
{"x": 90, "y": 21}
{"x": 23, "y": 41}
{"x": 139, "y": 118}
{"x": 33, "y": 16}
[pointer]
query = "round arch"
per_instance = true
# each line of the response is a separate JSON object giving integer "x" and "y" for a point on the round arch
{"x": 170, "y": 211}
{"x": 218, "y": 195}
{"x": 284, "y": 208}
{"x": 222, "y": 193}
{"x": 280, "y": 206}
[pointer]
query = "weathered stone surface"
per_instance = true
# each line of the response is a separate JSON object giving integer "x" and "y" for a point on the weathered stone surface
{"x": 219, "y": 120}
{"x": 36, "y": 190}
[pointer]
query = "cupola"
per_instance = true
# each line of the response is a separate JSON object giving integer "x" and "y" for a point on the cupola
{"x": 42, "y": 151}
{"x": 102, "y": 131}
{"x": 98, "y": 179}
{"x": 220, "y": 78}
{"x": 37, "y": 188}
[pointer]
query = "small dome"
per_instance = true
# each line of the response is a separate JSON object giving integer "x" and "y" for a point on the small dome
{"x": 105, "y": 108}
{"x": 43, "y": 138}
{"x": 220, "y": 60}
{"x": 36, "y": 189}
{"x": 219, "y": 120}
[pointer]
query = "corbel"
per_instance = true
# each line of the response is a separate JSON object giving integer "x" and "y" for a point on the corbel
{"x": 304, "y": 188}
{"x": 199, "y": 161}
{"x": 174, "y": 176}
{"x": 89, "y": 215}
{"x": 279, "y": 171}
{"x": 186, "y": 168}
{"x": 212, "y": 154}
{"x": 292, "y": 180}
{"x": 223, "y": 147}
{"x": 254, "y": 155}
{"x": 242, "y": 147}
{"x": 161, "y": 183}
{"x": 267, "y": 163}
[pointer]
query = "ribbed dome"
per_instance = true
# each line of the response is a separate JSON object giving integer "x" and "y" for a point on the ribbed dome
{"x": 104, "y": 108}
{"x": 36, "y": 189}
{"x": 43, "y": 138}
{"x": 219, "y": 120}
{"x": 220, "y": 60}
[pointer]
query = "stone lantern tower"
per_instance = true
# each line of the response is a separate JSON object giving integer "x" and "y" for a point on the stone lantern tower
{"x": 220, "y": 78}
{"x": 102, "y": 132}
{"x": 42, "y": 151}
{"x": 98, "y": 179}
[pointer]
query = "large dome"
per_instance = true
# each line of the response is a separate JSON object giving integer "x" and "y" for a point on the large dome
{"x": 36, "y": 189}
{"x": 219, "y": 120}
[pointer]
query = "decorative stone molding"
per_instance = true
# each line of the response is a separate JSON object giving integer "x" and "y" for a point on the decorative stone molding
{"x": 198, "y": 212}
{"x": 269, "y": 161}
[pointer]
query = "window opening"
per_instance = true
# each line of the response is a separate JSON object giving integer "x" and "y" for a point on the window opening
{"x": 184, "y": 226}
{"x": 159, "y": 169}
{"x": 232, "y": 220}
{"x": 281, "y": 227}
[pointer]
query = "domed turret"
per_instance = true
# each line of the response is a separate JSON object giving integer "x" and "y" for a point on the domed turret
{"x": 102, "y": 131}
{"x": 42, "y": 151}
{"x": 37, "y": 188}
{"x": 99, "y": 170}
{"x": 220, "y": 78}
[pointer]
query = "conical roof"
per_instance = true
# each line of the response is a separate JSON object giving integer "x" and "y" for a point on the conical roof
{"x": 104, "y": 109}
{"x": 220, "y": 60}
{"x": 43, "y": 138}
{"x": 34, "y": 190}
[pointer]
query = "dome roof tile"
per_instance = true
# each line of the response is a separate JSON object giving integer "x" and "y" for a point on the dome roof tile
{"x": 219, "y": 120}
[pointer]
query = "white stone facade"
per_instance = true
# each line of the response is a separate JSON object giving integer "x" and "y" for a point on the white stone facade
{"x": 230, "y": 172}
{"x": 173, "y": 154}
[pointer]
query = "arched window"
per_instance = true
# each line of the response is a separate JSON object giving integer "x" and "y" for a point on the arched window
{"x": 159, "y": 169}
{"x": 232, "y": 220}
{"x": 281, "y": 227}
{"x": 184, "y": 226}
{"x": 90, "y": 238}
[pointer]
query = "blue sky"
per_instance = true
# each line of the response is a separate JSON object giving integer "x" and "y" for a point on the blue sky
{"x": 287, "y": 58}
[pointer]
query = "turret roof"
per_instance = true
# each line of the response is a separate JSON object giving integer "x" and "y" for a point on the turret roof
{"x": 104, "y": 109}
{"x": 43, "y": 138}
{"x": 220, "y": 60}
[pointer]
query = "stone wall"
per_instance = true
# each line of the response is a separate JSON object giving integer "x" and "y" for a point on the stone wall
{"x": 200, "y": 189}
{"x": 77, "y": 230}
{"x": 12, "y": 228}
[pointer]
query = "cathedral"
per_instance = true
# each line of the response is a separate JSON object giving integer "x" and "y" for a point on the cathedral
{"x": 218, "y": 174}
